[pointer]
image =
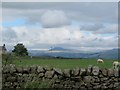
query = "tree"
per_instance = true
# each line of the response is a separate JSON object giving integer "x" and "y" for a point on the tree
{"x": 20, "y": 50}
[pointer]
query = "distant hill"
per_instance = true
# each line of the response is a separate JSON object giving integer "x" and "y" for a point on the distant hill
{"x": 108, "y": 54}
{"x": 58, "y": 49}
{"x": 66, "y": 53}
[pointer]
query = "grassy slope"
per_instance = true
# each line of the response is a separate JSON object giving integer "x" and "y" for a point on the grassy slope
{"x": 63, "y": 63}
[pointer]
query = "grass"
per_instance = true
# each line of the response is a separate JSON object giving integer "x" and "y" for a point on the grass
{"x": 62, "y": 63}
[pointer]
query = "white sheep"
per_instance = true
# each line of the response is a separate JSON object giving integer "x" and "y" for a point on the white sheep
{"x": 100, "y": 61}
{"x": 116, "y": 64}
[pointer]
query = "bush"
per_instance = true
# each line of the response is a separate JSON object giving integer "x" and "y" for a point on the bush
{"x": 7, "y": 58}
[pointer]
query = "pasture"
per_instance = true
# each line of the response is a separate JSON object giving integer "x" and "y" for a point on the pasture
{"x": 62, "y": 63}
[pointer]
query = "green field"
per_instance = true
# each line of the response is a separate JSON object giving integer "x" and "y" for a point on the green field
{"x": 62, "y": 63}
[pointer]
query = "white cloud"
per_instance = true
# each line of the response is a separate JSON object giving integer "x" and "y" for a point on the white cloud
{"x": 54, "y": 18}
{"x": 93, "y": 27}
{"x": 46, "y": 17}
{"x": 65, "y": 36}
{"x": 57, "y": 29}
{"x": 110, "y": 29}
{"x": 46, "y": 35}
{"x": 82, "y": 12}
{"x": 100, "y": 28}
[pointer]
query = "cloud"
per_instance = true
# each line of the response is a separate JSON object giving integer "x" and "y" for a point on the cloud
{"x": 46, "y": 35}
{"x": 54, "y": 18}
{"x": 8, "y": 33}
{"x": 65, "y": 36}
{"x": 100, "y": 28}
{"x": 48, "y": 18}
{"x": 110, "y": 29}
{"x": 94, "y": 27}
{"x": 48, "y": 24}
{"x": 80, "y": 11}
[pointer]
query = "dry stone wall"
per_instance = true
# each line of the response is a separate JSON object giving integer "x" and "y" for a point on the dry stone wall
{"x": 89, "y": 78}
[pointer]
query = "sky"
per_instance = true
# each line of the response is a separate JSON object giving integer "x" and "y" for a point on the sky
{"x": 73, "y": 25}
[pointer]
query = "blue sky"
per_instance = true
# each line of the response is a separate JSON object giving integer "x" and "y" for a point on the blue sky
{"x": 83, "y": 25}
{"x": 16, "y": 22}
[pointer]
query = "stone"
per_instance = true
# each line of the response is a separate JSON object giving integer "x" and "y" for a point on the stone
{"x": 47, "y": 68}
{"x": 89, "y": 85}
{"x": 90, "y": 88}
{"x": 82, "y": 71}
{"x": 118, "y": 79}
{"x": 77, "y": 78}
{"x": 95, "y": 70}
{"x": 101, "y": 76}
{"x": 111, "y": 86}
{"x": 57, "y": 81}
{"x": 49, "y": 74}
{"x": 20, "y": 74}
{"x": 40, "y": 69}
{"x": 57, "y": 86}
{"x": 8, "y": 84}
{"x": 74, "y": 87}
{"x": 116, "y": 72}
{"x": 67, "y": 72}
{"x": 104, "y": 71}
{"x": 60, "y": 77}
{"x": 104, "y": 87}
{"x": 110, "y": 72}
{"x": 25, "y": 76}
{"x": 26, "y": 69}
{"x": 19, "y": 69}
{"x": 116, "y": 84}
{"x": 89, "y": 69}
{"x": 88, "y": 79}
{"x": 67, "y": 82}
{"x": 77, "y": 84}
{"x": 6, "y": 69}
{"x": 29, "y": 79}
{"x": 35, "y": 79}
{"x": 58, "y": 71}
{"x": 33, "y": 69}
{"x": 75, "y": 72}
{"x": 11, "y": 79}
{"x": 97, "y": 79}
{"x": 15, "y": 84}
{"x": 97, "y": 86}
{"x": 41, "y": 75}
{"x": 105, "y": 84}
{"x": 55, "y": 76}
{"x": 83, "y": 88}
{"x": 20, "y": 78}
{"x": 104, "y": 79}
{"x": 114, "y": 79}
{"x": 94, "y": 84}
{"x": 12, "y": 68}
{"x": 6, "y": 75}
{"x": 82, "y": 83}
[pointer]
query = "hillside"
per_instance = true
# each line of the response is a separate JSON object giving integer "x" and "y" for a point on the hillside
{"x": 66, "y": 53}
